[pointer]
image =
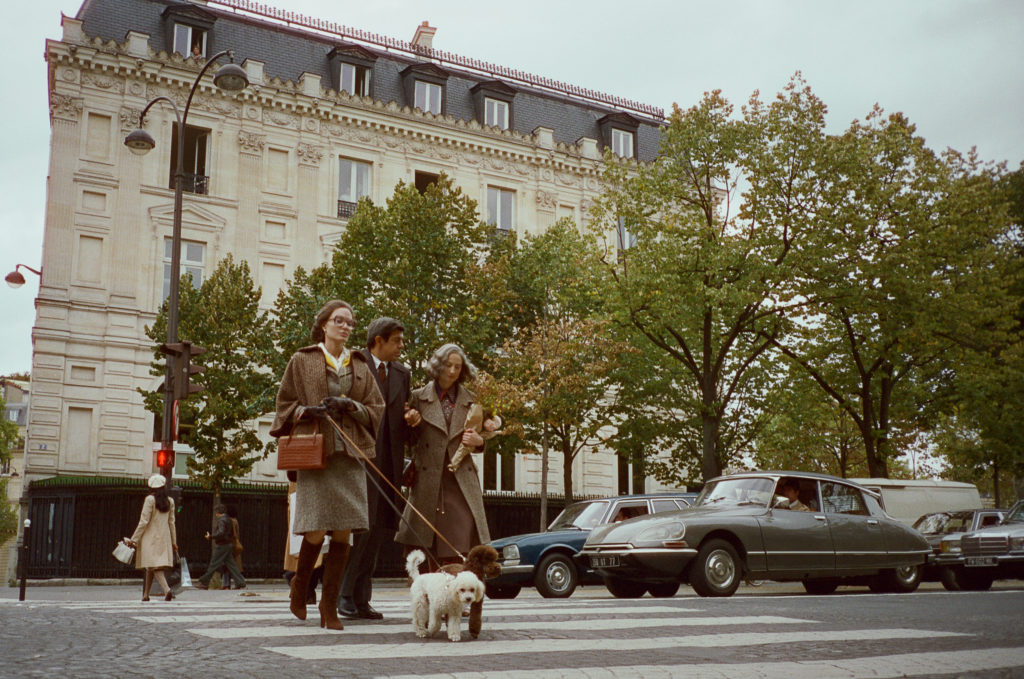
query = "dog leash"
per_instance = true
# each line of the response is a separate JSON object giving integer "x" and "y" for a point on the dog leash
{"x": 364, "y": 460}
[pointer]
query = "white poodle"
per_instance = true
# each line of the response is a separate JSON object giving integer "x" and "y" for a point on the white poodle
{"x": 439, "y": 595}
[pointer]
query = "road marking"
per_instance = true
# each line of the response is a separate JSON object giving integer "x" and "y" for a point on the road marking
{"x": 441, "y": 647}
{"x": 902, "y": 665}
{"x": 599, "y": 624}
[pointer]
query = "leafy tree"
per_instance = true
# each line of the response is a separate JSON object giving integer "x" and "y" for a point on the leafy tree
{"x": 410, "y": 259}
{"x": 8, "y": 513}
{"x": 223, "y": 316}
{"x": 707, "y": 286}
{"x": 908, "y": 278}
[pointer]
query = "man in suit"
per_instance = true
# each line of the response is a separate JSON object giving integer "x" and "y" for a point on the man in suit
{"x": 385, "y": 339}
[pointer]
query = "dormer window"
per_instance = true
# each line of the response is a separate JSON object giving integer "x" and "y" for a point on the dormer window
{"x": 618, "y": 132}
{"x": 189, "y": 30}
{"x": 493, "y": 102}
{"x": 425, "y": 87}
{"x": 622, "y": 143}
{"x": 352, "y": 69}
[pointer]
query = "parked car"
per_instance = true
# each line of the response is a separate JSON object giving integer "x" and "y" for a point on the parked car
{"x": 976, "y": 559}
{"x": 937, "y": 526}
{"x": 545, "y": 560}
{"x": 740, "y": 527}
{"x": 907, "y": 499}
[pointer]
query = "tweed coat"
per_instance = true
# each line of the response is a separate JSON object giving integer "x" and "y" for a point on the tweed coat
{"x": 155, "y": 536}
{"x": 305, "y": 384}
{"x": 333, "y": 498}
{"x": 434, "y": 444}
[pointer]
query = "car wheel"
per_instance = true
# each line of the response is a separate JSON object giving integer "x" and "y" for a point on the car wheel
{"x": 949, "y": 578}
{"x": 664, "y": 590}
{"x": 823, "y": 586}
{"x": 502, "y": 592}
{"x": 556, "y": 577}
{"x": 902, "y": 580}
{"x": 717, "y": 569}
{"x": 971, "y": 581}
{"x": 625, "y": 589}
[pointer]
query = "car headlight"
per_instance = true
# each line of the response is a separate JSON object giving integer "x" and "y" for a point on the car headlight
{"x": 672, "y": 530}
{"x": 510, "y": 553}
{"x": 950, "y": 546}
{"x": 1017, "y": 544}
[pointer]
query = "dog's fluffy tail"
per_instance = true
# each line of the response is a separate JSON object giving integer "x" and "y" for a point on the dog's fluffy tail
{"x": 412, "y": 563}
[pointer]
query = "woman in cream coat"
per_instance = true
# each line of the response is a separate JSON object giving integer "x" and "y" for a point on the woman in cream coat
{"x": 154, "y": 539}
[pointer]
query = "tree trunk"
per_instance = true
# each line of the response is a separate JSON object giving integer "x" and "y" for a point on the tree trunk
{"x": 566, "y": 472}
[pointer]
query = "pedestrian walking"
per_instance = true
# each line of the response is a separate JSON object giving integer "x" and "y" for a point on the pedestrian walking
{"x": 321, "y": 380}
{"x": 154, "y": 539}
{"x": 223, "y": 546}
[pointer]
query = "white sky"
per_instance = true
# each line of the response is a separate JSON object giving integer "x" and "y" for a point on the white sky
{"x": 950, "y": 65}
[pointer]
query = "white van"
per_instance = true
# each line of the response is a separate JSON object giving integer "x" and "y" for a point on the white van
{"x": 907, "y": 500}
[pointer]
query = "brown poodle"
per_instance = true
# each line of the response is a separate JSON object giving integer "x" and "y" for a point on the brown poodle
{"x": 482, "y": 561}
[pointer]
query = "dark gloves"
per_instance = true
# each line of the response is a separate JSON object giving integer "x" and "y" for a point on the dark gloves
{"x": 338, "y": 405}
{"x": 311, "y": 412}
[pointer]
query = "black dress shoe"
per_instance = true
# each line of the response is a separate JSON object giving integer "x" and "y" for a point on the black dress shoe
{"x": 347, "y": 609}
{"x": 367, "y": 612}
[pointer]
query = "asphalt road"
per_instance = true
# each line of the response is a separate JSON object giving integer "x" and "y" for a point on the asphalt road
{"x": 763, "y": 632}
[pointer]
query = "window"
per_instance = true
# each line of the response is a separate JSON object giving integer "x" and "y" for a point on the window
{"x": 425, "y": 179}
{"x": 622, "y": 143}
{"x": 428, "y": 97}
{"x": 194, "y": 165}
{"x": 355, "y": 79}
{"x": 841, "y": 499}
{"x": 499, "y": 208}
{"x": 353, "y": 184}
{"x": 187, "y": 39}
{"x": 623, "y": 237}
{"x": 496, "y": 113}
{"x": 193, "y": 255}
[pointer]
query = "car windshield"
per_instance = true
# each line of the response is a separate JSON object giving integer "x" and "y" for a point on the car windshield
{"x": 737, "y": 491}
{"x": 582, "y": 515}
{"x": 943, "y": 523}
{"x": 1016, "y": 515}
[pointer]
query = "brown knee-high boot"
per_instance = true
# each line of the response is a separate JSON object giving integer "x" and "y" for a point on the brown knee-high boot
{"x": 334, "y": 568}
{"x": 297, "y": 596}
{"x": 146, "y": 584}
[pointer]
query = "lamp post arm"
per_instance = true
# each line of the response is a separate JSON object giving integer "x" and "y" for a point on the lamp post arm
{"x": 26, "y": 266}
{"x": 195, "y": 85}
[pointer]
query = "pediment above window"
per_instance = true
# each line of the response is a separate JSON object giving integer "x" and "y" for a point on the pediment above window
{"x": 191, "y": 15}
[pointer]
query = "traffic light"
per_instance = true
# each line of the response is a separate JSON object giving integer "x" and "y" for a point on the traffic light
{"x": 184, "y": 369}
{"x": 164, "y": 458}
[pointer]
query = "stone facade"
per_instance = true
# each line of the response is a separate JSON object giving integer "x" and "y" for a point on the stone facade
{"x": 271, "y": 161}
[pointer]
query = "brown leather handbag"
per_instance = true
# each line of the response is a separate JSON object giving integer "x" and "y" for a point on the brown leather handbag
{"x": 302, "y": 451}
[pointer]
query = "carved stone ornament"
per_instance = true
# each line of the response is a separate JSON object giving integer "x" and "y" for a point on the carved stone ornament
{"x": 250, "y": 142}
{"x": 547, "y": 200}
{"x": 129, "y": 118}
{"x": 66, "y": 108}
{"x": 309, "y": 154}
{"x": 103, "y": 82}
{"x": 283, "y": 119}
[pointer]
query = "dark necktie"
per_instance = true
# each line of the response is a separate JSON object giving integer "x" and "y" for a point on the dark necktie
{"x": 382, "y": 373}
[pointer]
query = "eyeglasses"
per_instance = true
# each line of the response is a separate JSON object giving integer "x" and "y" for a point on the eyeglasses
{"x": 342, "y": 321}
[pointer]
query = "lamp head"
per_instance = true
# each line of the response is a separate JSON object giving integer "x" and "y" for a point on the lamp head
{"x": 15, "y": 279}
{"x": 140, "y": 142}
{"x": 231, "y": 78}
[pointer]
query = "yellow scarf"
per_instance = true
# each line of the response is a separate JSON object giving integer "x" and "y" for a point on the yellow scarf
{"x": 336, "y": 363}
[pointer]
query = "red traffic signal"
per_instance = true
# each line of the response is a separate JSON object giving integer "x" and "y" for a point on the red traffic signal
{"x": 164, "y": 458}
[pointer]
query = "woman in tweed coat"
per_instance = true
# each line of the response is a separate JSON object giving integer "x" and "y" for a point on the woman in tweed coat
{"x": 154, "y": 539}
{"x": 320, "y": 380}
{"x": 452, "y": 501}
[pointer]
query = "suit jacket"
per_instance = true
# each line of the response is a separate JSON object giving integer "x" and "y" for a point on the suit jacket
{"x": 392, "y": 435}
{"x": 430, "y": 443}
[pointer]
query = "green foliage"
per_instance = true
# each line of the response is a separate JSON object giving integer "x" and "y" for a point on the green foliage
{"x": 411, "y": 260}
{"x": 224, "y": 317}
{"x": 8, "y": 515}
{"x": 8, "y": 434}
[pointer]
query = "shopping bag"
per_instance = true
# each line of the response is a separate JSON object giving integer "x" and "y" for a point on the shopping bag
{"x": 186, "y": 577}
{"x": 124, "y": 553}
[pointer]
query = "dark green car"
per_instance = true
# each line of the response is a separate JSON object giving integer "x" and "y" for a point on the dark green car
{"x": 828, "y": 532}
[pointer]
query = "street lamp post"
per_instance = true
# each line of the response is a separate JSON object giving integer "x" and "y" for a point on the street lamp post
{"x": 15, "y": 279}
{"x": 230, "y": 78}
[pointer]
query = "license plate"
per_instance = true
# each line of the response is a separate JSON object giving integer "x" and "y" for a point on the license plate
{"x": 604, "y": 561}
{"x": 980, "y": 561}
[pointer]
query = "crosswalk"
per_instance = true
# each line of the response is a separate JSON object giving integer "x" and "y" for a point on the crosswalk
{"x": 593, "y": 638}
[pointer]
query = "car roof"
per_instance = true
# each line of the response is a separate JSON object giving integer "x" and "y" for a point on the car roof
{"x": 685, "y": 494}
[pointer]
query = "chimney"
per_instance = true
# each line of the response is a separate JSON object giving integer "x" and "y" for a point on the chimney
{"x": 424, "y": 37}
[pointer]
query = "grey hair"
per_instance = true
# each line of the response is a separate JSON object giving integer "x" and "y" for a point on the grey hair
{"x": 437, "y": 361}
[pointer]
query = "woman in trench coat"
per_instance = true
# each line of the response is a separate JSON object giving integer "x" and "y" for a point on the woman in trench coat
{"x": 154, "y": 539}
{"x": 452, "y": 501}
{"x": 321, "y": 380}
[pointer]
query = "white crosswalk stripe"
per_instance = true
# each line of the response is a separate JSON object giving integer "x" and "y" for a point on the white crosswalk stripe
{"x": 549, "y": 635}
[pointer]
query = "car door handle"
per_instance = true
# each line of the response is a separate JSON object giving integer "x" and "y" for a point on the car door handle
{"x": 872, "y": 522}
{"x": 820, "y": 517}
